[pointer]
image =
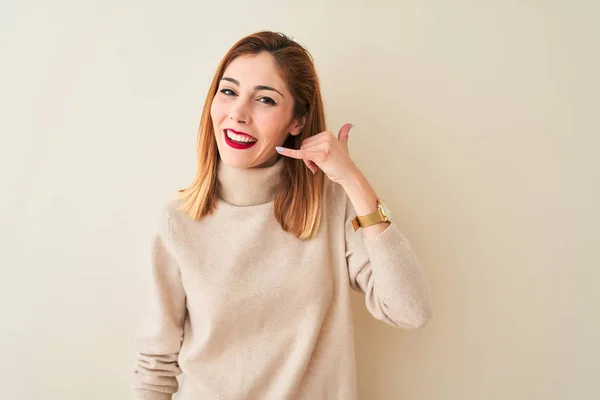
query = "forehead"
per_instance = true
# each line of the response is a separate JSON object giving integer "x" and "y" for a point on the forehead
{"x": 254, "y": 70}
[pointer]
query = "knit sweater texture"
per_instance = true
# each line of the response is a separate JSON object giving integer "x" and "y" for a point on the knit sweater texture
{"x": 239, "y": 309}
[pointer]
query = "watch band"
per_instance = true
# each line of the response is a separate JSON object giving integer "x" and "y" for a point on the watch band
{"x": 370, "y": 219}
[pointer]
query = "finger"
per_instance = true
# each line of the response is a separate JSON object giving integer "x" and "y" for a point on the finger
{"x": 344, "y": 132}
{"x": 311, "y": 165}
{"x": 297, "y": 154}
{"x": 317, "y": 136}
{"x": 314, "y": 144}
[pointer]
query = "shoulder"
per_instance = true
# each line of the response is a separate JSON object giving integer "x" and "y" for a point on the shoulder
{"x": 173, "y": 212}
{"x": 162, "y": 219}
{"x": 169, "y": 216}
{"x": 170, "y": 208}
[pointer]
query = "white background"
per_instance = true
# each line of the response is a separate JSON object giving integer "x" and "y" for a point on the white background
{"x": 476, "y": 121}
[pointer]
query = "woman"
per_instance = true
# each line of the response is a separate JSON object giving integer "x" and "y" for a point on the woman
{"x": 253, "y": 263}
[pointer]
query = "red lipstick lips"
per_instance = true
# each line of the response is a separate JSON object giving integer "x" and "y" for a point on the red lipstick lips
{"x": 238, "y": 145}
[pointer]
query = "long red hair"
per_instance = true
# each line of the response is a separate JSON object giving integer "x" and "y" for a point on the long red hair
{"x": 298, "y": 204}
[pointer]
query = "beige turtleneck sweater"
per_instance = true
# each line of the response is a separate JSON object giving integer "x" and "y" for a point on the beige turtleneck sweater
{"x": 238, "y": 309}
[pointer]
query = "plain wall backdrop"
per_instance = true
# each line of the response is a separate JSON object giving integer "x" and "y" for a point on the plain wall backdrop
{"x": 475, "y": 120}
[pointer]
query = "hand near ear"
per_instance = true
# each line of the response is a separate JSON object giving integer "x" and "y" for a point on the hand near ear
{"x": 326, "y": 152}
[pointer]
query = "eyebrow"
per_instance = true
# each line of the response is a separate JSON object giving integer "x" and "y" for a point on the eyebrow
{"x": 259, "y": 87}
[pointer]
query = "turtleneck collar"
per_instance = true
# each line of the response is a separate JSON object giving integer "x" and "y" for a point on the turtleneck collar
{"x": 244, "y": 187}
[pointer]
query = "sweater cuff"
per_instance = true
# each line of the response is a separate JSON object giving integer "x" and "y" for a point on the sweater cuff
{"x": 391, "y": 250}
{"x": 390, "y": 238}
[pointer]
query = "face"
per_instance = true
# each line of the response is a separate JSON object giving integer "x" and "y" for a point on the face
{"x": 252, "y": 112}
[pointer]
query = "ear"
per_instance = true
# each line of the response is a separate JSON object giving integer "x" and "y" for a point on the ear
{"x": 297, "y": 126}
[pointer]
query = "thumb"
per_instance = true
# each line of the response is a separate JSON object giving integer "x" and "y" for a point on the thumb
{"x": 344, "y": 132}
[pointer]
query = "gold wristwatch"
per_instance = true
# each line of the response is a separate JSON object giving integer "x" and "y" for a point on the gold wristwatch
{"x": 381, "y": 215}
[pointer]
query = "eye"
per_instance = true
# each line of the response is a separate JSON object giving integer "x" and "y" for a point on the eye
{"x": 267, "y": 100}
{"x": 227, "y": 92}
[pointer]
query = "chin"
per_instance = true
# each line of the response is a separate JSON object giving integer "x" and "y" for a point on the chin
{"x": 236, "y": 162}
{"x": 239, "y": 159}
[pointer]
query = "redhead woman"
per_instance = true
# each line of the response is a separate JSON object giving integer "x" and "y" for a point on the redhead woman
{"x": 254, "y": 262}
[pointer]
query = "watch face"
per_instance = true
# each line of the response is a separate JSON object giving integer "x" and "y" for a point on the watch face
{"x": 385, "y": 210}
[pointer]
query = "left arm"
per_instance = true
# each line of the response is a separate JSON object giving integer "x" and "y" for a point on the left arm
{"x": 364, "y": 200}
{"x": 381, "y": 262}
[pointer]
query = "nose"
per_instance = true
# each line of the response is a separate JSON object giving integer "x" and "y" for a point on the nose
{"x": 239, "y": 113}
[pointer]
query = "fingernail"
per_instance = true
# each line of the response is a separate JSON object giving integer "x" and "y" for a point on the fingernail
{"x": 279, "y": 149}
{"x": 352, "y": 126}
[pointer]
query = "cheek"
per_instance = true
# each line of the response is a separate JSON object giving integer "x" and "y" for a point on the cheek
{"x": 218, "y": 110}
{"x": 273, "y": 125}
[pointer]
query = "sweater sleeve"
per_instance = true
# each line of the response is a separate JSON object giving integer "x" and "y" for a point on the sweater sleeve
{"x": 159, "y": 334}
{"x": 386, "y": 269}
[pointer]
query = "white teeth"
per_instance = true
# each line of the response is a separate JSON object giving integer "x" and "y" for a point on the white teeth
{"x": 239, "y": 138}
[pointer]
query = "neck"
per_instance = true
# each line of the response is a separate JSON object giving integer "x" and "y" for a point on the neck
{"x": 249, "y": 186}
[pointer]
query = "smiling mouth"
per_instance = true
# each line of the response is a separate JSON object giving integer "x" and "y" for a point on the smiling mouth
{"x": 239, "y": 137}
{"x": 237, "y": 141}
